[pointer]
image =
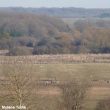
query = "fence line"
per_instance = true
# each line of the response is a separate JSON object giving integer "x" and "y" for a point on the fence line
{"x": 64, "y": 58}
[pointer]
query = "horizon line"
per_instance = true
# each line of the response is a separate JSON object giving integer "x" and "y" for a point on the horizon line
{"x": 49, "y": 7}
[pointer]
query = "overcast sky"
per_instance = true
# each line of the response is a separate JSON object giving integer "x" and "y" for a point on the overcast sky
{"x": 56, "y": 3}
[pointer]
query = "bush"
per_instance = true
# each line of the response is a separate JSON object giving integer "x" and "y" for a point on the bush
{"x": 103, "y": 105}
{"x": 73, "y": 95}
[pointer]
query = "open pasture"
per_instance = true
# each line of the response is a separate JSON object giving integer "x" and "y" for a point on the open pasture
{"x": 96, "y": 74}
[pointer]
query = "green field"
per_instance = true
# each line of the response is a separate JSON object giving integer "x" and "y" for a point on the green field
{"x": 70, "y": 71}
{"x": 71, "y": 21}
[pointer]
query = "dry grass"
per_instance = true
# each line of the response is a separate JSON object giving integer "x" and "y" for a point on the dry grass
{"x": 50, "y": 96}
{"x": 94, "y": 95}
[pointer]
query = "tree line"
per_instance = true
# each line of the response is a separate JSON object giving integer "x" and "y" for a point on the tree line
{"x": 27, "y": 33}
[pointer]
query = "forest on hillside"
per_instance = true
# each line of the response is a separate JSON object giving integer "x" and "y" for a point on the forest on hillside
{"x": 28, "y": 33}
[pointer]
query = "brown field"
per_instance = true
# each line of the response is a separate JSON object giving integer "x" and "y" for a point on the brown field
{"x": 53, "y": 70}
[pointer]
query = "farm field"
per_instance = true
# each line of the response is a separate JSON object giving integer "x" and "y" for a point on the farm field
{"x": 69, "y": 71}
{"x": 71, "y": 21}
{"x": 97, "y": 74}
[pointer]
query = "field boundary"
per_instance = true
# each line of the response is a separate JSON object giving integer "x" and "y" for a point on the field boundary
{"x": 63, "y": 58}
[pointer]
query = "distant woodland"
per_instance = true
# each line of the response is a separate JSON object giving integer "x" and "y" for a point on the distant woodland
{"x": 63, "y": 12}
{"x": 24, "y": 33}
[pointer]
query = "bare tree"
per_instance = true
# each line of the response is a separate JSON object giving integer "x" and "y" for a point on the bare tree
{"x": 18, "y": 86}
{"x": 103, "y": 105}
{"x": 73, "y": 94}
